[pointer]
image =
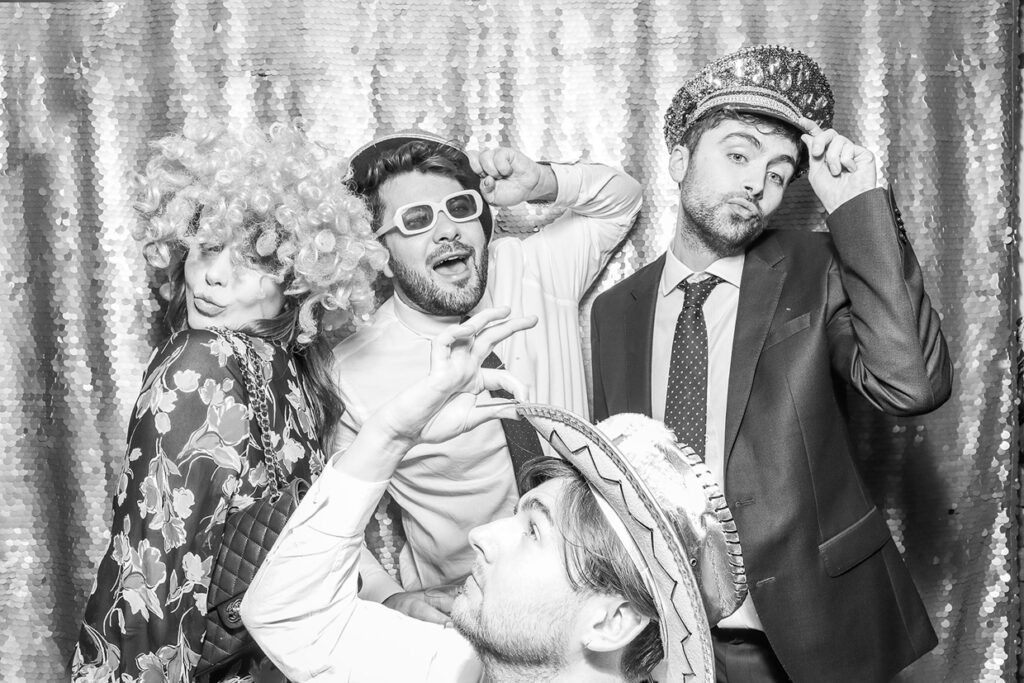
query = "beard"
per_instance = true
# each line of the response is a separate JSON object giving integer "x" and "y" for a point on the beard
{"x": 714, "y": 224}
{"x": 516, "y": 633}
{"x": 443, "y": 300}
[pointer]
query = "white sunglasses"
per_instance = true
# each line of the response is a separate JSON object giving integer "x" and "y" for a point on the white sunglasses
{"x": 419, "y": 217}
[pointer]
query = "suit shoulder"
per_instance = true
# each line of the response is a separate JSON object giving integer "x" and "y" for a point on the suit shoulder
{"x": 623, "y": 289}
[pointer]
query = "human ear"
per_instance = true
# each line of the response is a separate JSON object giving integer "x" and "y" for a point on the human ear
{"x": 678, "y": 163}
{"x": 614, "y": 626}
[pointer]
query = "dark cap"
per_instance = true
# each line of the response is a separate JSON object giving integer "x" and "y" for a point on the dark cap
{"x": 363, "y": 159}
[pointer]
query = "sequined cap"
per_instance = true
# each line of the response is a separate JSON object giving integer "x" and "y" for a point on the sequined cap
{"x": 679, "y": 531}
{"x": 766, "y": 79}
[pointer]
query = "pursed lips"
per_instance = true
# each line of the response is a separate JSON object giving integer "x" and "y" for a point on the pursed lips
{"x": 206, "y": 306}
{"x": 745, "y": 206}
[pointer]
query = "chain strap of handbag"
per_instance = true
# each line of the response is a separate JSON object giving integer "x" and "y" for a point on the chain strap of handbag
{"x": 226, "y": 638}
{"x": 256, "y": 388}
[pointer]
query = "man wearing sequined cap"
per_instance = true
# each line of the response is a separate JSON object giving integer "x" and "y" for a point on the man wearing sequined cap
{"x": 744, "y": 340}
{"x": 431, "y": 205}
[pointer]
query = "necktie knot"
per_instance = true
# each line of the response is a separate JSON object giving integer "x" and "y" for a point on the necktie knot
{"x": 697, "y": 292}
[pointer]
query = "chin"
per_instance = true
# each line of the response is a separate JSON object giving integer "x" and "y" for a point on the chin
{"x": 197, "y": 322}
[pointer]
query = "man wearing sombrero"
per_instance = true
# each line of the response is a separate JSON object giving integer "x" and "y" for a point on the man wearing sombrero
{"x": 616, "y": 558}
{"x": 743, "y": 341}
{"x": 431, "y": 208}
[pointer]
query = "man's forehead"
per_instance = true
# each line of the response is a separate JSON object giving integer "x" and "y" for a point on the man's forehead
{"x": 761, "y": 135}
{"x": 545, "y": 497}
{"x": 412, "y": 186}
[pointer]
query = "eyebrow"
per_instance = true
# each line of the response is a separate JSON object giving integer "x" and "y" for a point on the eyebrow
{"x": 782, "y": 158}
{"x": 534, "y": 504}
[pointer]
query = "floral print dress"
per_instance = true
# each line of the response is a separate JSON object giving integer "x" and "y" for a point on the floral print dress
{"x": 193, "y": 457}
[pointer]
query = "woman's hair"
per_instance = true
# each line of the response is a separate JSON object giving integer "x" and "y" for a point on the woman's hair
{"x": 596, "y": 561}
{"x": 281, "y": 202}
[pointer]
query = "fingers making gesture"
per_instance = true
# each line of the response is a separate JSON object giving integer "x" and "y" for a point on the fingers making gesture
{"x": 450, "y": 400}
{"x": 839, "y": 169}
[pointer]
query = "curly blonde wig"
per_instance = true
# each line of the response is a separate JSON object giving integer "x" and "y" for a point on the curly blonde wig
{"x": 281, "y": 201}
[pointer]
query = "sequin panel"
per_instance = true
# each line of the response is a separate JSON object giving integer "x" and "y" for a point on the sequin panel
{"x": 84, "y": 87}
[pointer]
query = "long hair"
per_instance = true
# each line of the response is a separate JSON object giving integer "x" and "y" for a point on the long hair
{"x": 281, "y": 201}
{"x": 313, "y": 360}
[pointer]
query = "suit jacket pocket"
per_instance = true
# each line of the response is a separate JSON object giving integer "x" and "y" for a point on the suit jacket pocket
{"x": 855, "y": 543}
{"x": 788, "y": 329}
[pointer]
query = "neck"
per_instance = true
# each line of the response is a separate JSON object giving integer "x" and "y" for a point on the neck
{"x": 582, "y": 672}
{"x": 690, "y": 250}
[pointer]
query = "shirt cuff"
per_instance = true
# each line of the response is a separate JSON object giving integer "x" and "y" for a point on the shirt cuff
{"x": 570, "y": 184}
{"x": 339, "y": 504}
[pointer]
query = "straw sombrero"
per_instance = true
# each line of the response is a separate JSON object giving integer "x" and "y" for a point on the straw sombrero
{"x": 685, "y": 537}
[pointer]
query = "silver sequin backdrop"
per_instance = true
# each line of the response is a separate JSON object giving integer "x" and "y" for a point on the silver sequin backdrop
{"x": 928, "y": 85}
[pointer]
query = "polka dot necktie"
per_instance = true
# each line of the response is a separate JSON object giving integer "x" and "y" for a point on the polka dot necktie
{"x": 686, "y": 404}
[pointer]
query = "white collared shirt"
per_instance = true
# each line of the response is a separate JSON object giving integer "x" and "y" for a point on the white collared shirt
{"x": 303, "y": 611}
{"x": 720, "y": 318}
{"x": 447, "y": 489}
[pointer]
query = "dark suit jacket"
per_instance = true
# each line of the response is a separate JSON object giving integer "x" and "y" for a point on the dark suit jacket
{"x": 830, "y": 587}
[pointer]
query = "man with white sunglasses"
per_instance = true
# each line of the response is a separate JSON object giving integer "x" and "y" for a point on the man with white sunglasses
{"x": 431, "y": 209}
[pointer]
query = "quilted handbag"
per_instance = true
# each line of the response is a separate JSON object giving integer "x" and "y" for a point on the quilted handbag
{"x": 249, "y": 534}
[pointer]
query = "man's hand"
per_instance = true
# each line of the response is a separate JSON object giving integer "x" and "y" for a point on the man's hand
{"x": 509, "y": 177}
{"x": 450, "y": 400}
{"x": 433, "y": 604}
{"x": 839, "y": 169}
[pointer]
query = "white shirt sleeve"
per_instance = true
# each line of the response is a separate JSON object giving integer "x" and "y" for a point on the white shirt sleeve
{"x": 601, "y": 205}
{"x": 303, "y": 611}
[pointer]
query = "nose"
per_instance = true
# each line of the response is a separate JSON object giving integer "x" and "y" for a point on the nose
{"x": 218, "y": 268}
{"x": 753, "y": 183}
{"x": 485, "y": 538}
{"x": 446, "y": 230}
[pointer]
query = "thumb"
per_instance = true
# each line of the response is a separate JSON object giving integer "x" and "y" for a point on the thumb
{"x": 425, "y": 612}
{"x": 487, "y": 187}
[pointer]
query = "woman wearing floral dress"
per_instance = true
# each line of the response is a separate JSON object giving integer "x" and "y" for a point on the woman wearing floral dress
{"x": 263, "y": 249}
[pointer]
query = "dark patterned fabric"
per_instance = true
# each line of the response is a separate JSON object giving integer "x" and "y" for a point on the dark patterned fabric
{"x": 190, "y": 461}
{"x": 522, "y": 440}
{"x": 686, "y": 405}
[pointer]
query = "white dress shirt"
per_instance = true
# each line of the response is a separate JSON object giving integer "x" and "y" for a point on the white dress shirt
{"x": 303, "y": 611}
{"x": 720, "y": 317}
{"x": 447, "y": 489}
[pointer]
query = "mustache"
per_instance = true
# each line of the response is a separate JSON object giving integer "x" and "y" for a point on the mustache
{"x": 456, "y": 248}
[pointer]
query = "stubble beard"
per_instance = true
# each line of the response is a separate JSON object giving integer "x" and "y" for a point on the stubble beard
{"x": 515, "y": 637}
{"x": 714, "y": 226}
{"x": 432, "y": 298}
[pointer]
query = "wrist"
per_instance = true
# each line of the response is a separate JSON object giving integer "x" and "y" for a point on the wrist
{"x": 376, "y": 451}
{"x": 546, "y": 188}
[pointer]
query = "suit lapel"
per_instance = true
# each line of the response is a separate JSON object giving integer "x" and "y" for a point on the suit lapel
{"x": 760, "y": 289}
{"x": 638, "y": 326}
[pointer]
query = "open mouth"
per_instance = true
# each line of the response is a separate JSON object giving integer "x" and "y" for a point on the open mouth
{"x": 453, "y": 265}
